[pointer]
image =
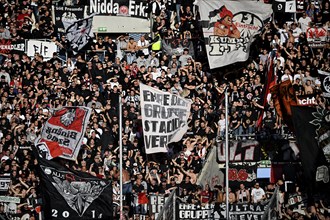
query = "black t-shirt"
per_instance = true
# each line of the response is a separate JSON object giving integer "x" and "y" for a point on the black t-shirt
{"x": 235, "y": 121}
{"x": 138, "y": 188}
{"x": 248, "y": 120}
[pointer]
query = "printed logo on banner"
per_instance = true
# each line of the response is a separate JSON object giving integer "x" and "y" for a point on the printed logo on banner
{"x": 65, "y": 15}
{"x": 79, "y": 32}
{"x": 230, "y": 27}
{"x": 133, "y": 8}
{"x": 316, "y": 37}
{"x": 233, "y": 32}
{"x": 78, "y": 193}
{"x": 322, "y": 123}
{"x": 65, "y": 130}
{"x": 241, "y": 175}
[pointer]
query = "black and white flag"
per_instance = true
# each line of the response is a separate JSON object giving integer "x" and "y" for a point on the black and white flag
{"x": 73, "y": 195}
{"x": 230, "y": 27}
{"x": 164, "y": 118}
{"x": 79, "y": 33}
{"x": 325, "y": 83}
{"x": 284, "y": 6}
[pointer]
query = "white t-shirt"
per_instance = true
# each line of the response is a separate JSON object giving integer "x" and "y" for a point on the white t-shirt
{"x": 296, "y": 32}
{"x": 257, "y": 194}
{"x": 304, "y": 23}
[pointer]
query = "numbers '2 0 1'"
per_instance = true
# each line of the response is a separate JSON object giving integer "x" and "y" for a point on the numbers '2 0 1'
{"x": 66, "y": 214}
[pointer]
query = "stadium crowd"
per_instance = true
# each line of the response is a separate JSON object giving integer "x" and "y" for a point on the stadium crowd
{"x": 30, "y": 87}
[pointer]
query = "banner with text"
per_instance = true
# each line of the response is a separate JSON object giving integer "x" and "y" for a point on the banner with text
{"x": 246, "y": 174}
{"x": 230, "y": 27}
{"x": 240, "y": 151}
{"x": 317, "y": 37}
{"x": 4, "y": 182}
{"x": 156, "y": 203}
{"x": 7, "y": 46}
{"x": 44, "y": 48}
{"x": 218, "y": 211}
{"x": 66, "y": 15}
{"x": 64, "y": 130}
{"x": 127, "y": 8}
{"x": 164, "y": 118}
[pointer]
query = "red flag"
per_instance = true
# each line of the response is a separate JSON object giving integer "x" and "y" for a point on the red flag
{"x": 142, "y": 198}
{"x": 283, "y": 96}
{"x": 269, "y": 83}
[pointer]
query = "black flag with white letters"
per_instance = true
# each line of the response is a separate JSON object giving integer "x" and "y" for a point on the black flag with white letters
{"x": 73, "y": 195}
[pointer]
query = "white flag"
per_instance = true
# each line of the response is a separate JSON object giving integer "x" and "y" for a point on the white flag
{"x": 164, "y": 118}
{"x": 211, "y": 173}
{"x": 79, "y": 33}
{"x": 230, "y": 27}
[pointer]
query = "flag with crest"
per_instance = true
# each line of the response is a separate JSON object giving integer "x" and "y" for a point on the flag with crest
{"x": 63, "y": 132}
{"x": 79, "y": 33}
{"x": 74, "y": 195}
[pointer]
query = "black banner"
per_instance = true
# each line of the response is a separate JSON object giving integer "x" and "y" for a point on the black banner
{"x": 306, "y": 122}
{"x": 325, "y": 82}
{"x": 72, "y": 194}
{"x": 245, "y": 174}
{"x": 240, "y": 151}
{"x": 65, "y": 15}
{"x": 7, "y": 46}
{"x": 128, "y": 8}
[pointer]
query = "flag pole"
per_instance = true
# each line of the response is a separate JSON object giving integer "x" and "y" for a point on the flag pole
{"x": 120, "y": 158}
{"x": 227, "y": 154}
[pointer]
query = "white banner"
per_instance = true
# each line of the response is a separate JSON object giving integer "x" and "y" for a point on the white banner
{"x": 63, "y": 133}
{"x": 211, "y": 173}
{"x": 10, "y": 199}
{"x": 230, "y": 27}
{"x": 164, "y": 118}
{"x": 44, "y": 48}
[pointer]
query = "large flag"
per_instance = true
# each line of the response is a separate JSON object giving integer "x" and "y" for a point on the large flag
{"x": 284, "y": 6}
{"x": 79, "y": 33}
{"x": 164, "y": 118}
{"x": 63, "y": 132}
{"x": 306, "y": 121}
{"x": 211, "y": 174}
{"x": 325, "y": 83}
{"x": 283, "y": 97}
{"x": 270, "y": 81}
{"x": 73, "y": 195}
{"x": 230, "y": 27}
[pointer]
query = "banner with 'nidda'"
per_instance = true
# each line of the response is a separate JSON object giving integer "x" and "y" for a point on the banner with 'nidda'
{"x": 164, "y": 118}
